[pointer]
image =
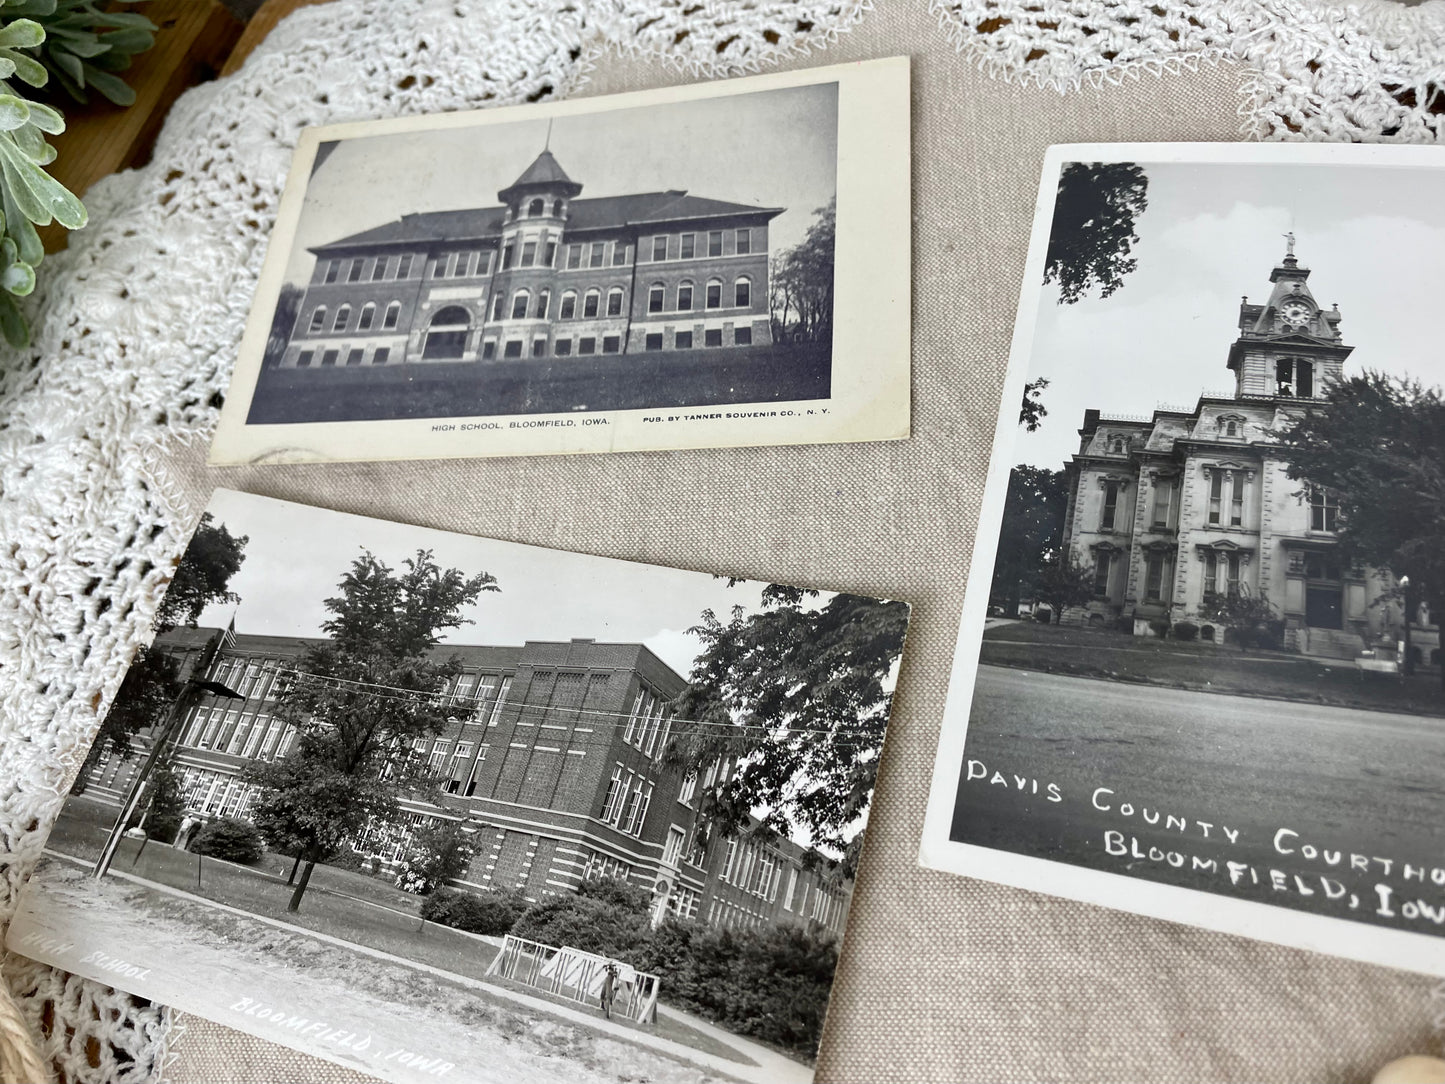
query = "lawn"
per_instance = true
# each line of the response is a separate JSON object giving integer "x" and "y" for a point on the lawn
{"x": 339, "y": 903}
{"x": 1205, "y": 667}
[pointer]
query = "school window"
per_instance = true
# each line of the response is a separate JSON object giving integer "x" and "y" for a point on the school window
{"x": 367, "y": 317}
{"x": 614, "y": 302}
{"x": 535, "y": 209}
{"x": 329, "y": 357}
{"x": 619, "y": 253}
{"x": 1102, "y": 563}
{"x": 742, "y": 293}
{"x": 343, "y": 316}
{"x": 682, "y": 340}
{"x": 742, "y": 336}
{"x": 393, "y": 314}
{"x": 544, "y": 300}
{"x": 471, "y": 786}
{"x": 513, "y": 349}
{"x": 689, "y": 246}
{"x": 507, "y": 251}
{"x": 562, "y": 347}
{"x": 489, "y": 349}
{"x": 519, "y": 305}
{"x": 333, "y": 269}
{"x": 611, "y": 344}
{"x": 303, "y": 360}
{"x": 744, "y": 240}
{"x": 1111, "y": 506}
{"x": 587, "y": 345}
{"x": 403, "y": 267}
{"x": 792, "y": 887}
{"x": 381, "y": 355}
{"x": 355, "y": 273}
{"x": 714, "y": 295}
{"x": 355, "y": 355}
{"x": 684, "y": 297}
{"x": 655, "y": 298}
{"x": 574, "y": 256}
{"x": 589, "y": 303}
{"x": 689, "y": 788}
{"x": 659, "y": 248}
{"x": 539, "y": 348}
{"x": 529, "y": 253}
{"x": 598, "y": 254}
{"x": 1324, "y": 510}
{"x": 653, "y": 341}
{"x": 612, "y": 799}
{"x": 569, "y": 306}
{"x": 672, "y": 849}
{"x": 714, "y": 243}
{"x": 712, "y": 336}
{"x": 378, "y": 270}
{"x": 498, "y": 302}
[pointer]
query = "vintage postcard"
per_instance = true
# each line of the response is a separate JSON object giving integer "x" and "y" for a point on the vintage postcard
{"x": 705, "y": 266}
{"x": 1199, "y": 669}
{"x": 438, "y": 807}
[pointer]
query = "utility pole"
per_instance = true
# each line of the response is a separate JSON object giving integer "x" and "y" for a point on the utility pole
{"x": 191, "y": 689}
{"x": 1407, "y": 664}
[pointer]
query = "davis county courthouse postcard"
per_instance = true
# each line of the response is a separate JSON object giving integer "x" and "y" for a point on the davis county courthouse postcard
{"x": 700, "y": 266}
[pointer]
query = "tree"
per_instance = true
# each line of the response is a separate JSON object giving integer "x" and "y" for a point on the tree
{"x": 1033, "y": 412}
{"x": 801, "y": 283}
{"x": 798, "y": 698}
{"x": 1377, "y": 450}
{"x": 362, "y": 697}
{"x": 439, "y": 853}
{"x": 1252, "y": 619}
{"x": 164, "y": 804}
{"x": 1029, "y": 536}
{"x": 151, "y": 685}
{"x": 283, "y": 323}
{"x": 1064, "y": 582}
{"x": 1093, "y": 234}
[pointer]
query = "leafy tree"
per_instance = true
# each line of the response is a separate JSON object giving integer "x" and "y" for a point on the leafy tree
{"x": 1064, "y": 582}
{"x": 1030, "y": 534}
{"x": 798, "y": 698}
{"x": 232, "y": 839}
{"x": 439, "y": 853}
{"x": 1093, "y": 229}
{"x": 152, "y": 684}
{"x": 1033, "y": 412}
{"x": 164, "y": 804}
{"x": 364, "y": 695}
{"x": 283, "y": 322}
{"x": 801, "y": 283}
{"x": 1378, "y": 447}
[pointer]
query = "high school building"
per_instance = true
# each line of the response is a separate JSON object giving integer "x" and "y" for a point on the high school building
{"x": 553, "y": 765}
{"x": 545, "y": 275}
{"x": 1172, "y": 512}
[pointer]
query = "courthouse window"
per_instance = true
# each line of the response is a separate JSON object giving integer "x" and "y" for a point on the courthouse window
{"x": 1102, "y": 563}
{"x": 1163, "y": 502}
{"x": 1111, "y": 506}
{"x": 1154, "y": 578}
{"x": 1324, "y": 510}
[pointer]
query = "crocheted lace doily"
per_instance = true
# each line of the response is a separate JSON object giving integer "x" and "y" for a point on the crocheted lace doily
{"x": 137, "y": 321}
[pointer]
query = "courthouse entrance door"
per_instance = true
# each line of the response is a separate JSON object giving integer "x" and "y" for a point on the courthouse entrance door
{"x": 1324, "y": 593}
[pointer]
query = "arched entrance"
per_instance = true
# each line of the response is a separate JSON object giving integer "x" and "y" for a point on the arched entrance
{"x": 446, "y": 336}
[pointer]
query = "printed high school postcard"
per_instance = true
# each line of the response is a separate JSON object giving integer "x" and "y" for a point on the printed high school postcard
{"x": 704, "y": 266}
{"x": 1199, "y": 670}
{"x": 438, "y": 807}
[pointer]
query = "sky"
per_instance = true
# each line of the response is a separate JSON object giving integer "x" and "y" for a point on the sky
{"x": 1373, "y": 237}
{"x": 297, "y": 554}
{"x": 774, "y": 148}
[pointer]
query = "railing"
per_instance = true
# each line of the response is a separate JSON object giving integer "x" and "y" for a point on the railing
{"x": 578, "y": 976}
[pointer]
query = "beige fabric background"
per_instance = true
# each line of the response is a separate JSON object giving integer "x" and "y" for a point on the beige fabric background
{"x": 942, "y": 978}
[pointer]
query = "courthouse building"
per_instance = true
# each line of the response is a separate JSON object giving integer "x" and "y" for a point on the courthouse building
{"x": 553, "y": 766}
{"x": 1171, "y": 512}
{"x": 547, "y": 274}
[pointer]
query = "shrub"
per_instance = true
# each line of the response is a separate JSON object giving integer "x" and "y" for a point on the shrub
{"x": 1185, "y": 630}
{"x": 1160, "y": 625}
{"x": 490, "y": 913}
{"x": 230, "y": 838}
{"x": 439, "y": 853}
{"x": 617, "y": 891}
{"x": 1043, "y": 615}
{"x": 347, "y": 859}
{"x": 586, "y": 923}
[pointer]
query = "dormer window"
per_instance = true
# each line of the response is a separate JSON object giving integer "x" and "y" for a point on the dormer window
{"x": 1118, "y": 446}
{"x": 1231, "y": 429}
{"x": 1230, "y": 425}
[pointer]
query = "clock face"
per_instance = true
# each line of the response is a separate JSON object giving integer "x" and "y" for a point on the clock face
{"x": 1295, "y": 313}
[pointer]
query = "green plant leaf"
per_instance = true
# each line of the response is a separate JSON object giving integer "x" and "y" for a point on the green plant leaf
{"x": 30, "y": 7}
{"x": 45, "y": 118}
{"x": 21, "y": 229}
{"x": 131, "y": 40}
{"x": 12, "y": 323}
{"x": 27, "y": 68}
{"x": 112, "y": 86}
{"x": 14, "y": 113}
{"x": 22, "y": 34}
{"x": 36, "y": 191}
{"x": 32, "y": 144}
{"x": 81, "y": 45}
{"x": 7, "y": 67}
{"x": 70, "y": 65}
{"x": 18, "y": 279}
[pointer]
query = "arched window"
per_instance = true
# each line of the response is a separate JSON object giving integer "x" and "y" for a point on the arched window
{"x": 714, "y": 293}
{"x": 614, "y": 301}
{"x": 655, "y": 297}
{"x": 1231, "y": 429}
{"x": 544, "y": 299}
{"x": 536, "y": 209}
{"x": 684, "y": 296}
{"x": 1117, "y": 447}
{"x": 318, "y": 318}
{"x": 743, "y": 292}
{"x": 343, "y": 315}
{"x": 499, "y": 301}
{"x": 393, "y": 314}
{"x": 519, "y": 304}
{"x": 367, "y": 317}
{"x": 556, "y": 208}
{"x": 569, "y": 305}
{"x": 589, "y": 302}
{"x": 447, "y": 335}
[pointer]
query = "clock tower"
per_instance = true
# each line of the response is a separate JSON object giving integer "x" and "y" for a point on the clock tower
{"x": 1289, "y": 347}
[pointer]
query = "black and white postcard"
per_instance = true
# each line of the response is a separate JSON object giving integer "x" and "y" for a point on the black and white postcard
{"x": 705, "y": 266}
{"x": 1199, "y": 669}
{"x": 439, "y": 807}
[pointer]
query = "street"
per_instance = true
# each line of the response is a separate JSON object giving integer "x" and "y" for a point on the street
{"x": 1301, "y": 805}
